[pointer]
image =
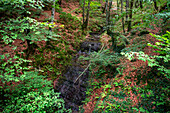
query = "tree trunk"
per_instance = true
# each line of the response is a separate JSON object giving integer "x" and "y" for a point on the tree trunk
{"x": 104, "y": 7}
{"x": 85, "y": 24}
{"x": 127, "y": 9}
{"x": 48, "y": 44}
{"x": 117, "y": 6}
{"x": 107, "y": 14}
{"x": 83, "y": 11}
{"x": 136, "y": 3}
{"x": 52, "y": 14}
{"x": 122, "y": 16}
{"x": 155, "y": 5}
{"x": 87, "y": 16}
{"x": 130, "y": 15}
{"x": 59, "y": 2}
{"x": 30, "y": 49}
{"x": 110, "y": 5}
{"x": 141, "y": 6}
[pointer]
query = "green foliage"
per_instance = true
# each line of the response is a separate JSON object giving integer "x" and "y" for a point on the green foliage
{"x": 70, "y": 21}
{"x": 15, "y": 8}
{"x": 17, "y": 29}
{"x": 113, "y": 101}
{"x": 10, "y": 67}
{"x": 163, "y": 48}
{"x": 105, "y": 63}
{"x": 32, "y": 94}
{"x": 154, "y": 96}
{"x": 55, "y": 60}
{"x": 22, "y": 90}
{"x": 26, "y": 91}
{"x": 150, "y": 17}
{"x": 36, "y": 102}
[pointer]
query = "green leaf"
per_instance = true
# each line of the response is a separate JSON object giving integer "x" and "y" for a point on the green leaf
{"x": 37, "y": 32}
{"x": 142, "y": 110}
{"x": 135, "y": 109}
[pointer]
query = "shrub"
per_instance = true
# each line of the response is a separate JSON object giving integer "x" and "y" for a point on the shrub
{"x": 155, "y": 95}
{"x": 32, "y": 94}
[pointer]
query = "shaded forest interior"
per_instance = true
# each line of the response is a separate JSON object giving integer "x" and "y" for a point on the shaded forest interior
{"x": 71, "y": 56}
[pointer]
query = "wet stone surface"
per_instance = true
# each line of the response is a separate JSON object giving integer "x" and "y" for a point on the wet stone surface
{"x": 72, "y": 91}
{"x": 90, "y": 46}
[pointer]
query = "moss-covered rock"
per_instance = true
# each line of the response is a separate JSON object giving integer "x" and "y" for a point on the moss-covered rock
{"x": 120, "y": 43}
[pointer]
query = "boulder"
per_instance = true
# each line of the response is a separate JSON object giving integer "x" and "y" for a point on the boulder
{"x": 120, "y": 43}
{"x": 90, "y": 46}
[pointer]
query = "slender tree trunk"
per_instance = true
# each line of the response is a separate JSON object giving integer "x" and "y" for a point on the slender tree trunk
{"x": 155, "y": 5}
{"x": 130, "y": 15}
{"x": 110, "y": 5}
{"x": 59, "y": 2}
{"x": 127, "y": 9}
{"x": 107, "y": 14}
{"x": 117, "y": 6}
{"x": 87, "y": 16}
{"x": 141, "y": 6}
{"x": 48, "y": 44}
{"x": 52, "y": 14}
{"x": 136, "y": 3}
{"x": 104, "y": 7}
{"x": 122, "y": 16}
{"x": 83, "y": 11}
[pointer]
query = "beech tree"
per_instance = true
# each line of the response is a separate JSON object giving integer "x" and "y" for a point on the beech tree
{"x": 130, "y": 15}
{"x": 85, "y": 21}
{"x": 122, "y": 16}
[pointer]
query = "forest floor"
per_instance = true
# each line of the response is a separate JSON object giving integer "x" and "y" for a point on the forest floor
{"x": 132, "y": 67}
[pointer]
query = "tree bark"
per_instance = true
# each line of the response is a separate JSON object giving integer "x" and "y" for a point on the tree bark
{"x": 155, "y": 5}
{"x": 136, "y": 3}
{"x": 141, "y": 6}
{"x": 85, "y": 24}
{"x": 87, "y": 16}
{"x": 122, "y": 16}
{"x": 107, "y": 14}
{"x": 52, "y": 14}
{"x": 127, "y": 9}
{"x": 110, "y": 5}
{"x": 130, "y": 15}
{"x": 59, "y": 2}
{"x": 83, "y": 11}
{"x": 117, "y": 6}
{"x": 104, "y": 7}
{"x": 48, "y": 44}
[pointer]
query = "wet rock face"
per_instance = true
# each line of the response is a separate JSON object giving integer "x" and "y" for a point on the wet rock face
{"x": 71, "y": 89}
{"x": 90, "y": 46}
{"x": 73, "y": 93}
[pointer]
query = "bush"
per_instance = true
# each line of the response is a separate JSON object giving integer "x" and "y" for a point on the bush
{"x": 24, "y": 91}
{"x": 155, "y": 95}
{"x": 32, "y": 94}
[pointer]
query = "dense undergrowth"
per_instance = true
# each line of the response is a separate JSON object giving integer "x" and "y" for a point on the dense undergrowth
{"x": 26, "y": 71}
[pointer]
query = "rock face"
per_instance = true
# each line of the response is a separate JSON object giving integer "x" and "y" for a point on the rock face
{"x": 120, "y": 43}
{"x": 90, "y": 46}
{"x": 73, "y": 93}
